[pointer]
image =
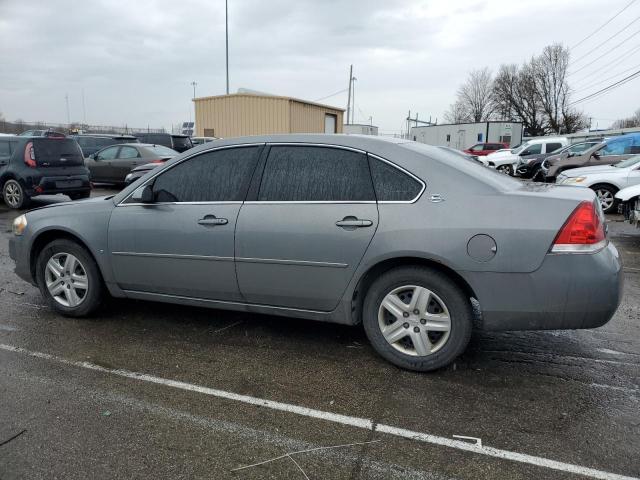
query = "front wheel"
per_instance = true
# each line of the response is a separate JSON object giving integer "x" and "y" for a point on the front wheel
{"x": 14, "y": 195}
{"x": 506, "y": 169}
{"x": 417, "y": 318}
{"x": 607, "y": 197}
{"x": 68, "y": 278}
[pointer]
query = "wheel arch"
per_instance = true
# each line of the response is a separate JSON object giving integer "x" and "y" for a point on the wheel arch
{"x": 605, "y": 184}
{"x": 377, "y": 269}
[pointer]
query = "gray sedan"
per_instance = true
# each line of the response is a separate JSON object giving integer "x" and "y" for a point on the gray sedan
{"x": 113, "y": 163}
{"x": 391, "y": 234}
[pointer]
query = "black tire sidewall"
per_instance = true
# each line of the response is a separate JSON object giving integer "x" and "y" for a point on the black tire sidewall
{"x": 93, "y": 297}
{"x": 613, "y": 192}
{"x": 456, "y": 301}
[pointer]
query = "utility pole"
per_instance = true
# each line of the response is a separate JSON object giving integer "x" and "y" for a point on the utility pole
{"x": 84, "y": 110}
{"x": 193, "y": 99}
{"x": 349, "y": 96}
{"x": 353, "y": 100}
{"x": 226, "y": 28}
{"x": 66, "y": 98}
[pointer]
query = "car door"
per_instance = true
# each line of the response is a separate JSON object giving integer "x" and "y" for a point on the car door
{"x": 305, "y": 227}
{"x": 613, "y": 152}
{"x": 182, "y": 244}
{"x": 100, "y": 165}
{"x": 128, "y": 157}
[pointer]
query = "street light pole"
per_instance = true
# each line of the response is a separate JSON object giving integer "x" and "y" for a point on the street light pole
{"x": 226, "y": 28}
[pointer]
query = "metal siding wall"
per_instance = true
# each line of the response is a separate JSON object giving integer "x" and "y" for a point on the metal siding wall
{"x": 306, "y": 118}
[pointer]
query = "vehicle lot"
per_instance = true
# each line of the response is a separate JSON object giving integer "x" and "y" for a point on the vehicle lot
{"x": 570, "y": 396}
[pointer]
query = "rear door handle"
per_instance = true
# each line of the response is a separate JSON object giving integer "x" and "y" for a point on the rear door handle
{"x": 212, "y": 221}
{"x": 353, "y": 222}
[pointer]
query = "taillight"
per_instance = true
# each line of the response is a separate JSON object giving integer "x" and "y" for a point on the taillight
{"x": 583, "y": 232}
{"x": 29, "y": 155}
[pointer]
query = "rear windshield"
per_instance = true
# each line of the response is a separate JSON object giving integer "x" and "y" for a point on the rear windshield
{"x": 54, "y": 152}
{"x": 162, "y": 151}
{"x": 182, "y": 142}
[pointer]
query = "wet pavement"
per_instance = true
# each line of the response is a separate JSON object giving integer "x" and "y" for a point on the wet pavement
{"x": 71, "y": 406}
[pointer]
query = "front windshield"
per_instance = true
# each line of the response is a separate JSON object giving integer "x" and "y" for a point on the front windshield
{"x": 517, "y": 150}
{"x": 629, "y": 162}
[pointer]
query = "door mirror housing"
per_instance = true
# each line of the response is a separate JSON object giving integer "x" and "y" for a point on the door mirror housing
{"x": 143, "y": 194}
{"x": 596, "y": 155}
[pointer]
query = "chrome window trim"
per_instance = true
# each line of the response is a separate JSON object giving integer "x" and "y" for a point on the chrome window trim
{"x": 194, "y": 154}
{"x": 309, "y": 202}
{"x": 406, "y": 172}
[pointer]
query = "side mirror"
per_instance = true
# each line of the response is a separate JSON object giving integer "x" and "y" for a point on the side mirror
{"x": 596, "y": 155}
{"x": 143, "y": 194}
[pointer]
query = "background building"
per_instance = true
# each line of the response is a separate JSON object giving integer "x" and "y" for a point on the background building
{"x": 464, "y": 135}
{"x": 360, "y": 129}
{"x": 241, "y": 114}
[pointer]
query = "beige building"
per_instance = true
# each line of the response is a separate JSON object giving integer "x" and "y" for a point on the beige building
{"x": 241, "y": 114}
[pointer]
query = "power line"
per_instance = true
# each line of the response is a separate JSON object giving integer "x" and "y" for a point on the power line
{"x": 610, "y": 38}
{"x": 614, "y": 62}
{"x": 604, "y": 80}
{"x": 605, "y": 53}
{"x": 603, "y": 25}
{"x": 609, "y": 88}
{"x": 332, "y": 95}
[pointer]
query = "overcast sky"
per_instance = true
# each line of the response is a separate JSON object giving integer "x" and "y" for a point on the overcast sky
{"x": 135, "y": 59}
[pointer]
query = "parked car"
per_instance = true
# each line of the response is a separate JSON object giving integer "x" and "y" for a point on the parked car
{"x": 507, "y": 161}
{"x": 604, "y": 180}
{"x": 42, "y": 133}
{"x": 139, "y": 172}
{"x": 31, "y": 166}
{"x": 91, "y": 143}
{"x": 179, "y": 143}
{"x": 531, "y": 166}
{"x": 629, "y": 199}
{"x": 483, "y": 149}
{"x": 607, "y": 152}
{"x": 112, "y": 164}
{"x": 200, "y": 140}
{"x": 347, "y": 229}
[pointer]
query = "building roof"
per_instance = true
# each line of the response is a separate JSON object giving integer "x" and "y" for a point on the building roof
{"x": 253, "y": 95}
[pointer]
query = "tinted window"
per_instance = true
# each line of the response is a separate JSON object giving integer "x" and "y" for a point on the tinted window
{"x": 52, "y": 152}
{"x": 128, "y": 152}
{"x": 5, "y": 150}
{"x": 182, "y": 143}
{"x": 108, "y": 153}
{"x": 391, "y": 184}
{"x": 302, "y": 174}
{"x": 533, "y": 149}
{"x": 219, "y": 176}
{"x": 552, "y": 147}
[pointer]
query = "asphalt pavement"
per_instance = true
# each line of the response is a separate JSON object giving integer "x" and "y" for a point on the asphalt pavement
{"x": 146, "y": 390}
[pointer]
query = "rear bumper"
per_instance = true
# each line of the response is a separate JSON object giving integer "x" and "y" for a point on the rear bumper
{"x": 51, "y": 185}
{"x": 569, "y": 291}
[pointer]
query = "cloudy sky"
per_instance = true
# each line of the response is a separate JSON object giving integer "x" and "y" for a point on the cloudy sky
{"x": 135, "y": 59}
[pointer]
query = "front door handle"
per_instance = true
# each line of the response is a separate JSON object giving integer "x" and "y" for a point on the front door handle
{"x": 212, "y": 221}
{"x": 353, "y": 222}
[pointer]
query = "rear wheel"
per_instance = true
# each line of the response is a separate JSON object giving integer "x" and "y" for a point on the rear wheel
{"x": 506, "y": 169}
{"x": 607, "y": 197}
{"x": 14, "y": 195}
{"x": 68, "y": 278}
{"x": 417, "y": 318}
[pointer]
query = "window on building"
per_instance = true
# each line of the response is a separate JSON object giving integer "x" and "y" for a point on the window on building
{"x": 479, "y": 137}
{"x": 303, "y": 174}
{"x": 218, "y": 176}
{"x": 448, "y": 137}
{"x": 392, "y": 184}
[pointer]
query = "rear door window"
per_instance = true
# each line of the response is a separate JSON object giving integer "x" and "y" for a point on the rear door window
{"x": 108, "y": 153}
{"x": 552, "y": 147}
{"x": 315, "y": 174}
{"x": 392, "y": 184}
{"x": 217, "y": 176}
{"x": 128, "y": 152}
{"x": 57, "y": 152}
{"x": 5, "y": 151}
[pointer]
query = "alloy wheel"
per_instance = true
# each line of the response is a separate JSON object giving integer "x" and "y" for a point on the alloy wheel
{"x": 66, "y": 279}
{"x": 414, "y": 320}
{"x": 506, "y": 169}
{"x": 605, "y": 197}
{"x": 12, "y": 194}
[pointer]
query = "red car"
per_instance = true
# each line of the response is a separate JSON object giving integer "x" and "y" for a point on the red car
{"x": 482, "y": 149}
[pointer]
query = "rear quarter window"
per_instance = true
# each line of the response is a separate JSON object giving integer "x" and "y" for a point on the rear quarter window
{"x": 392, "y": 184}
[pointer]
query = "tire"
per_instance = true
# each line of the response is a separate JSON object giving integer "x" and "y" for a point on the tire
{"x": 506, "y": 169}
{"x": 86, "y": 300}
{"x": 79, "y": 195}
{"x": 607, "y": 197}
{"x": 538, "y": 175}
{"x": 441, "y": 297}
{"x": 14, "y": 195}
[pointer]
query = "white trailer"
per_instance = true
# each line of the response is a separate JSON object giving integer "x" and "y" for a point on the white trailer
{"x": 465, "y": 135}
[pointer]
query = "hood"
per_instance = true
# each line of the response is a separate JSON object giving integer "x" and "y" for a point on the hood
{"x": 576, "y": 172}
{"x": 628, "y": 193}
{"x": 92, "y": 200}
{"x": 500, "y": 154}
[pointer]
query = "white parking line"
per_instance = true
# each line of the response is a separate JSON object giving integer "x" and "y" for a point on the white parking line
{"x": 357, "y": 422}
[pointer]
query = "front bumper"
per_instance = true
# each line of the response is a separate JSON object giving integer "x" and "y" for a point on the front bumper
{"x": 19, "y": 253}
{"x": 568, "y": 291}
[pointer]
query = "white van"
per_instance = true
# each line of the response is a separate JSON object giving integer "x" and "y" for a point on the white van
{"x": 507, "y": 160}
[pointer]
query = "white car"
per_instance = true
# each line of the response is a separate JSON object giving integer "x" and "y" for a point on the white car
{"x": 507, "y": 161}
{"x": 630, "y": 202}
{"x": 605, "y": 180}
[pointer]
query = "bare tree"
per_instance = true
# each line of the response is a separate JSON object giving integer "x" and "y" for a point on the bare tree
{"x": 630, "y": 122}
{"x": 550, "y": 74}
{"x": 475, "y": 95}
{"x": 457, "y": 113}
